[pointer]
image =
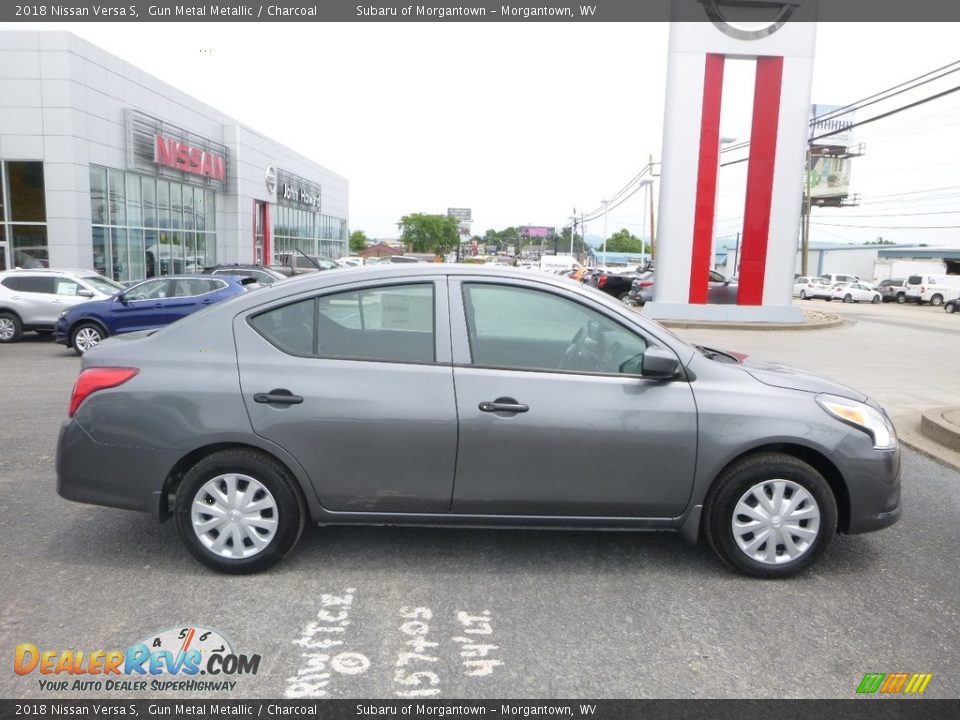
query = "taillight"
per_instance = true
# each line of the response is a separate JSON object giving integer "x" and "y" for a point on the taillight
{"x": 602, "y": 281}
{"x": 646, "y": 283}
{"x": 99, "y": 378}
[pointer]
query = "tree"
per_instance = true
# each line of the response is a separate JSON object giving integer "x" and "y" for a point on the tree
{"x": 437, "y": 234}
{"x": 358, "y": 241}
{"x": 625, "y": 241}
{"x": 580, "y": 248}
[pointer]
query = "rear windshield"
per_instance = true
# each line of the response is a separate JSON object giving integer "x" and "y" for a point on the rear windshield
{"x": 915, "y": 280}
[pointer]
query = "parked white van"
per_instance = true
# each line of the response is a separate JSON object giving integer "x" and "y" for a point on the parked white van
{"x": 934, "y": 289}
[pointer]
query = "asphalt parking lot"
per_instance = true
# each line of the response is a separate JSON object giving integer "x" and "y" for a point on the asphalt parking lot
{"x": 376, "y": 612}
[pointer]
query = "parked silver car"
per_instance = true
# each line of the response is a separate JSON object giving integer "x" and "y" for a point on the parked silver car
{"x": 33, "y": 299}
{"x": 471, "y": 396}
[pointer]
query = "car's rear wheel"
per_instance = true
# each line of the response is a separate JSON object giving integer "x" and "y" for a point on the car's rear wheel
{"x": 85, "y": 336}
{"x": 239, "y": 511}
{"x": 11, "y": 329}
{"x": 803, "y": 294}
{"x": 770, "y": 515}
{"x": 848, "y": 298}
{"x": 876, "y": 299}
{"x": 901, "y": 298}
{"x": 936, "y": 300}
{"x": 950, "y": 308}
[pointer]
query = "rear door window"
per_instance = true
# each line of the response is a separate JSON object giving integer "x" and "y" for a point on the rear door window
{"x": 382, "y": 324}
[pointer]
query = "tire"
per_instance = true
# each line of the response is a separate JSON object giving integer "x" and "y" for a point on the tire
{"x": 278, "y": 523}
{"x": 829, "y": 299}
{"x": 848, "y": 298}
{"x": 901, "y": 298}
{"x": 876, "y": 299}
{"x": 803, "y": 294}
{"x": 936, "y": 300}
{"x": 11, "y": 329}
{"x": 85, "y": 335}
{"x": 950, "y": 308}
{"x": 739, "y": 488}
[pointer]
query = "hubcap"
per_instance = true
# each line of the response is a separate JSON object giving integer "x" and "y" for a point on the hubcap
{"x": 6, "y": 328}
{"x": 234, "y": 516}
{"x": 86, "y": 338}
{"x": 775, "y": 521}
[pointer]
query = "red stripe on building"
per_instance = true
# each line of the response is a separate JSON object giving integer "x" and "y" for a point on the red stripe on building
{"x": 763, "y": 155}
{"x": 706, "y": 179}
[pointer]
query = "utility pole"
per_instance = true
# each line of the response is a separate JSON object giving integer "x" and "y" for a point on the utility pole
{"x": 653, "y": 239}
{"x": 805, "y": 241}
{"x": 573, "y": 229}
{"x": 605, "y": 203}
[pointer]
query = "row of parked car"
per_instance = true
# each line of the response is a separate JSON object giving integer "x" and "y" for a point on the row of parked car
{"x": 936, "y": 290}
{"x": 82, "y": 307}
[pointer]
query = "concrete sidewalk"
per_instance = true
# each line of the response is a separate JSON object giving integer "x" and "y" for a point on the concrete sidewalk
{"x": 902, "y": 357}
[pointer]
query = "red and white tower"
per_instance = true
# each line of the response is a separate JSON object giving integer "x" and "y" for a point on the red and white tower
{"x": 783, "y": 49}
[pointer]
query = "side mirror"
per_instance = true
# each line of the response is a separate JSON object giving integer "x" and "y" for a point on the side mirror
{"x": 121, "y": 298}
{"x": 84, "y": 293}
{"x": 659, "y": 363}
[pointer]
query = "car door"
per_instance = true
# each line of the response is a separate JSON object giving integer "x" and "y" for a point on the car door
{"x": 550, "y": 421}
{"x": 33, "y": 297}
{"x": 356, "y": 384}
{"x": 140, "y": 307}
{"x": 188, "y": 295}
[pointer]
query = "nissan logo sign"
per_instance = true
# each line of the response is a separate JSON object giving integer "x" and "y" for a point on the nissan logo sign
{"x": 765, "y": 16}
{"x": 271, "y": 178}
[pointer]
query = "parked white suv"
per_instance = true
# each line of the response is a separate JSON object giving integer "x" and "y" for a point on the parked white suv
{"x": 32, "y": 299}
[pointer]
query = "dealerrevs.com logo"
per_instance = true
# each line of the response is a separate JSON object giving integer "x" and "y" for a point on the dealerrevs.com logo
{"x": 177, "y": 659}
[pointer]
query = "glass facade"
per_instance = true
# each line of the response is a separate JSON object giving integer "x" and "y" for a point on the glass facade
{"x": 23, "y": 216}
{"x": 145, "y": 226}
{"x": 311, "y": 232}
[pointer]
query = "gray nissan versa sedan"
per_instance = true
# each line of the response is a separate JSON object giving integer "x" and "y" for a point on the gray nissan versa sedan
{"x": 453, "y": 395}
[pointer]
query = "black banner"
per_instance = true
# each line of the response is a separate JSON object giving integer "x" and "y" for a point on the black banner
{"x": 482, "y": 11}
{"x": 860, "y": 709}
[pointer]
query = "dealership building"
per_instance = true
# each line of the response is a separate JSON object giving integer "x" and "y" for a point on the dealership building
{"x": 104, "y": 166}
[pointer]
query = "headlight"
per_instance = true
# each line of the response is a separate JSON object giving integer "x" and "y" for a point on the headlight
{"x": 863, "y": 417}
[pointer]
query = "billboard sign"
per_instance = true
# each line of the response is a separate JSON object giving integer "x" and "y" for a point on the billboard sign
{"x": 535, "y": 231}
{"x": 829, "y": 177}
{"x": 823, "y": 119}
{"x": 464, "y": 215}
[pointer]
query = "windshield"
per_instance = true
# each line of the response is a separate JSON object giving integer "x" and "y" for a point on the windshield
{"x": 101, "y": 284}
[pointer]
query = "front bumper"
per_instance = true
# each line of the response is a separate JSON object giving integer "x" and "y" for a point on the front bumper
{"x": 872, "y": 481}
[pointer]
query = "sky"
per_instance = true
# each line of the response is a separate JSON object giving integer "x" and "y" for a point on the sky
{"x": 523, "y": 122}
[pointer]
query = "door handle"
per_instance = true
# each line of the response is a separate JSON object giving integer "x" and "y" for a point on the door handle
{"x": 278, "y": 397}
{"x": 503, "y": 405}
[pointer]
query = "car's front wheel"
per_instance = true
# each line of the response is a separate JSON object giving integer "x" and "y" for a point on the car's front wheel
{"x": 85, "y": 336}
{"x": 770, "y": 515}
{"x": 950, "y": 308}
{"x": 239, "y": 511}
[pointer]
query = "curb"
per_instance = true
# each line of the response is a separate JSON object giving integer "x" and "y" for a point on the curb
{"x": 911, "y": 435}
{"x": 815, "y": 320}
{"x": 934, "y": 425}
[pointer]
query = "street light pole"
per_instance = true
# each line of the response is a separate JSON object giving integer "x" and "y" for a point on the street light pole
{"x": 605, "y": 203}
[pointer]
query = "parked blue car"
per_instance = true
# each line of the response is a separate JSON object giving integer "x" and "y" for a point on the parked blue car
{"x": 147, "y": 305}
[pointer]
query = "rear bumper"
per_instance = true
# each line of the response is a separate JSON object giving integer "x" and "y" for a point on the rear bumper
{"x": 130, "y": 478}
